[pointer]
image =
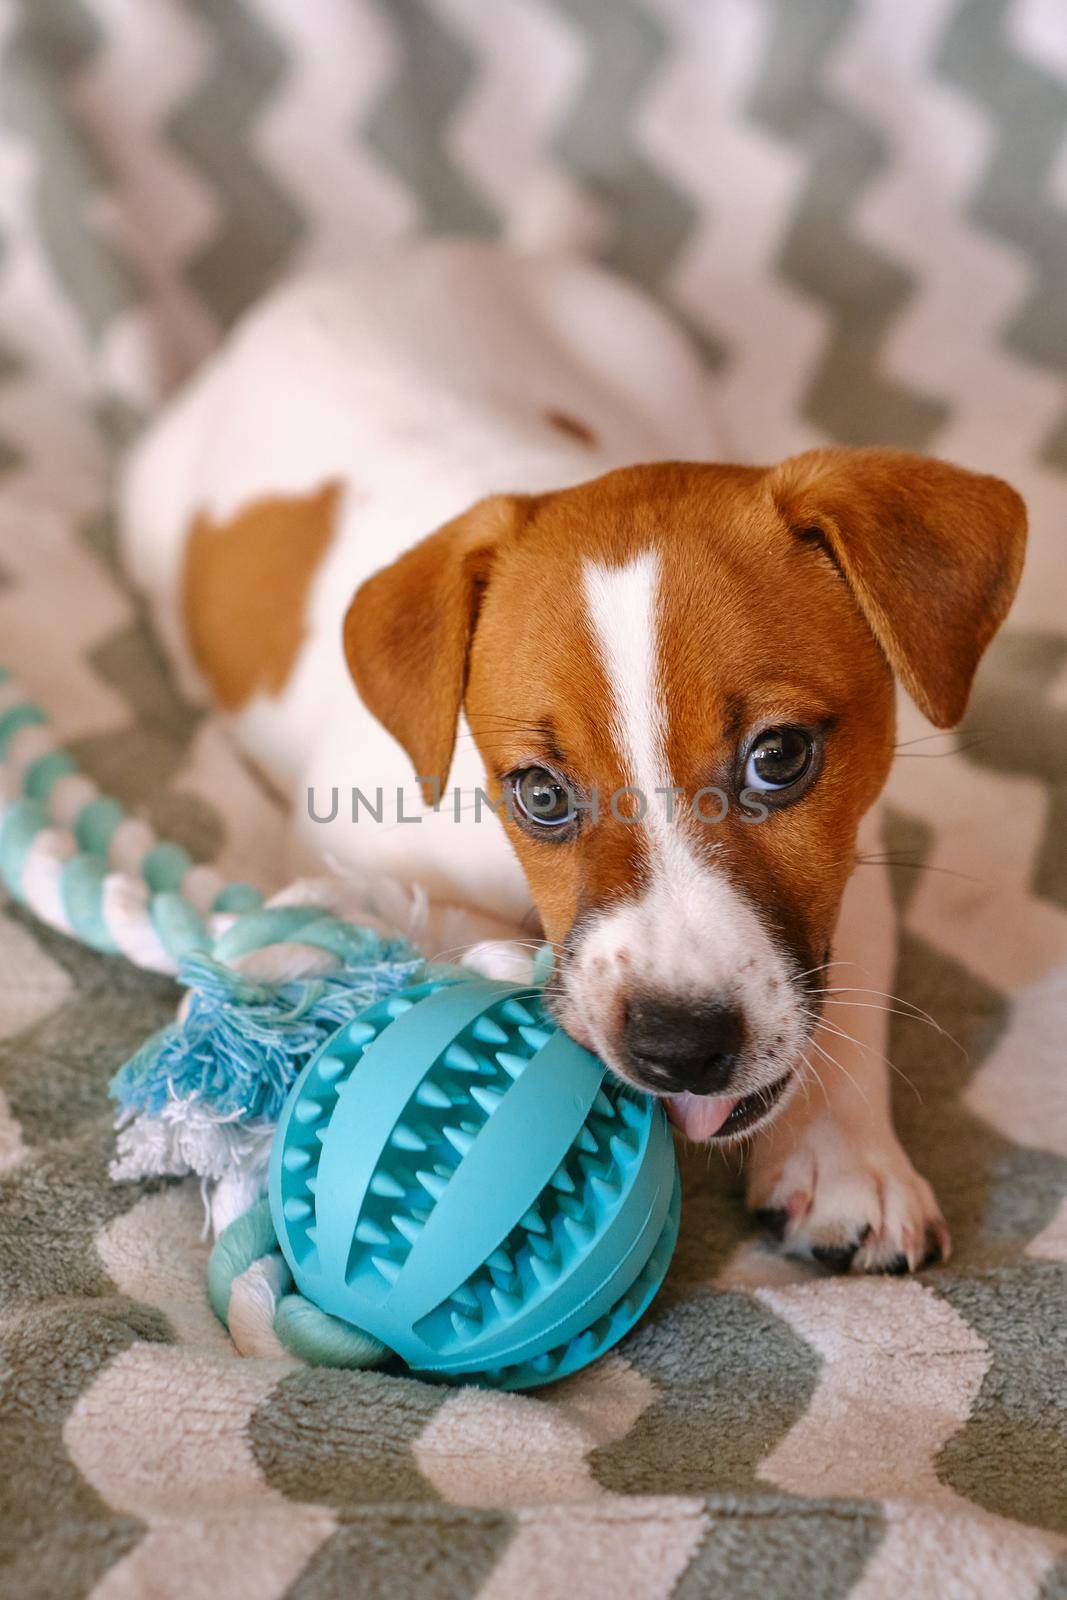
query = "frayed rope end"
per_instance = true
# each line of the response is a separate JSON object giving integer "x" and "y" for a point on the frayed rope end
{"x": 241, "y": 1043}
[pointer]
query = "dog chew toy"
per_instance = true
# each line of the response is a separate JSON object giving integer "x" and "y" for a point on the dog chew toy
{"x": 451, "y": 1178}
{"x": 455, "y": 1176}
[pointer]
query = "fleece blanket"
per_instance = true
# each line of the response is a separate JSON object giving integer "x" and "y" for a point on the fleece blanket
{"x": 857, "y": 206}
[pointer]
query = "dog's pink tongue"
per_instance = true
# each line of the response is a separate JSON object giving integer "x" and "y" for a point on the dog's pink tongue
{"x": 699, "y": 1115}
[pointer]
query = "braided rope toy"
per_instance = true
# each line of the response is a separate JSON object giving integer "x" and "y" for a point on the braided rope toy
{"x": 475, "y": 1196}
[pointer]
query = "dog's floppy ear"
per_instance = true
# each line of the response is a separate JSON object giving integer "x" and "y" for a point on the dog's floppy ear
{"x": 931, "y": 553}
{"x": 408, "y": 631}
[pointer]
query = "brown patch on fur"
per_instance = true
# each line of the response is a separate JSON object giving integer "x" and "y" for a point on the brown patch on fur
{"x": 245, "y": 586}
{"x": 932, "y": 554}
{"x": 407, "y": 634}
{"x": 574, "y": 427}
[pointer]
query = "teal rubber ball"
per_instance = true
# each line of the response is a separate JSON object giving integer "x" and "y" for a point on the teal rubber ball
{"x": 453, "y": 1174}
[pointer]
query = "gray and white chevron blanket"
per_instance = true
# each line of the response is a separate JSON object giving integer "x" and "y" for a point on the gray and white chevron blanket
{"x": 859, "y": 207}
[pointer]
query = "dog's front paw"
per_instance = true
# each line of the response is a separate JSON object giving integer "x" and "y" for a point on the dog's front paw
{"x": 858, "y": 1208}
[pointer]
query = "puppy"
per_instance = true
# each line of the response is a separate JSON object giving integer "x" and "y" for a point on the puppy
{"x": 649, "y": 705}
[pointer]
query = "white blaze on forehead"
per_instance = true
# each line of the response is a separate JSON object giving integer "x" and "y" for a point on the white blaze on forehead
{"x": 622, "y": 603}
{"x": 689, "y": 932}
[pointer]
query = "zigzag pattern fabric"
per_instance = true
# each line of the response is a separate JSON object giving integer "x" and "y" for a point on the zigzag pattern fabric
{"x": 859, "y": 209}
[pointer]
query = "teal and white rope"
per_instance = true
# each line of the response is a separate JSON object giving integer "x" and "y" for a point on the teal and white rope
{"x": 252, "y": 1292}
{"x": 72, "y": 856}
{"x": 75, "y": 859}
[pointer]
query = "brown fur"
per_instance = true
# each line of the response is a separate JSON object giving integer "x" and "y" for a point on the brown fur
{"x": 407, "y": 634}
{"x": 933, "y": 555}
{"x": 245, "y": 586}
{"x": 758, "y": 628}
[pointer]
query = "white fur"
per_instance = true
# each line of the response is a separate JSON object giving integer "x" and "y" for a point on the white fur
{"x": 622, "y": 604}
{"x": 690, "y": 933}
{"x": 832, "y": 1161}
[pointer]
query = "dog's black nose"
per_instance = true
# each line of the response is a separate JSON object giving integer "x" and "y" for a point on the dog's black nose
{"x": 675, "y": 1045}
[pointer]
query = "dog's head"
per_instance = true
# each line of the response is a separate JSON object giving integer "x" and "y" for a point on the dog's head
{"x": 680, "y": 678}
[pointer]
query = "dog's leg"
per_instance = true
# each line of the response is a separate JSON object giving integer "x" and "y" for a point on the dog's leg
{"x": 829, "y": 1175}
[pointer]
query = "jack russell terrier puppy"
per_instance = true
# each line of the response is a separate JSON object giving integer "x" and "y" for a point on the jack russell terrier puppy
{"x": 674, "y": 681}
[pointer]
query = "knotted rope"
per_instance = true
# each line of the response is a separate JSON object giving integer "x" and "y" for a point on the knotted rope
{"x": 268, "y": 983}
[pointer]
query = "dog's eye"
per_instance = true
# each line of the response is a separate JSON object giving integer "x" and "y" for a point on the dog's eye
{"x": 541, "y": 798}
{"x": 779, "y": 758}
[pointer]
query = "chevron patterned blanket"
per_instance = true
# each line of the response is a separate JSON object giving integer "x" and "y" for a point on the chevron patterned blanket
{"x": 858, "y": 208}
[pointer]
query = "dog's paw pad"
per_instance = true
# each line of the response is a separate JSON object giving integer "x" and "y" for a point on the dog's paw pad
{"x": 849, "y": 1210}
{"x": 775, "y": 1219}
{"x": 838, "y": 1257}
{"x": 938, "y": 1245}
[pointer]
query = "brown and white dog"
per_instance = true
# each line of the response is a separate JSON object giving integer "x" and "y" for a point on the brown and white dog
{"x": 675, "y": 680}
